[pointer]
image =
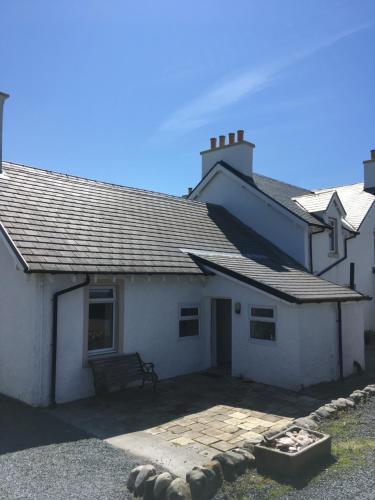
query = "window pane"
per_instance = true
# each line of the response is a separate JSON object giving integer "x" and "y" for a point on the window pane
{"x": 101, "y": 293}
{"x": 100, "y": 326}
{"x": 262, "y": 330}
{"x": 189, "y": 327}
{"x": 262, "y": 312}
{"x": 189, "y": 311}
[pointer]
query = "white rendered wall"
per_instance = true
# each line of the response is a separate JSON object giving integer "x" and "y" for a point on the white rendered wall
{"x": 258, "y": 214}
{"x": 361, "y": 252}
{"x": 318, "y": 343}
{"x": 352, "y": 336}
{"x": 20, "y": 327}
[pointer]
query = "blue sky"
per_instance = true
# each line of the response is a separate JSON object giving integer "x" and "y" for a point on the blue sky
{"x": 130, "y": 92}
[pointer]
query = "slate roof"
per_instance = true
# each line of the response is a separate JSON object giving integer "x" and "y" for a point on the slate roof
{"x": 355, "y": 200}
{"x": 61, "y": 223}
{"x": 315, "y": 202}
{"x": 290, "y": 283}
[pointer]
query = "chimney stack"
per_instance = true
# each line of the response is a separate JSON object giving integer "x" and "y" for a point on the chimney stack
{"x": 3, "y": 97}
{"x": 369, "y": 173}
{"x": 238, "y": 155}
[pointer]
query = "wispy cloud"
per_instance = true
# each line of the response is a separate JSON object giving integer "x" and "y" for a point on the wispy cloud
{"x": 202, "y": 109}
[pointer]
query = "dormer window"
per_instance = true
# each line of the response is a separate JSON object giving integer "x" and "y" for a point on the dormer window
{"x": 333, "y": 240}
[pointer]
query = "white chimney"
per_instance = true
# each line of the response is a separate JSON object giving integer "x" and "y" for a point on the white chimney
{"x": 237, "y": 154}
{"x": 3, "y": 97}
{"x": 369, "y": 173}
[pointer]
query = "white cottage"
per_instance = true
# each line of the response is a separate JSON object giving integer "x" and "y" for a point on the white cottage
{"x": 222, "y": 278}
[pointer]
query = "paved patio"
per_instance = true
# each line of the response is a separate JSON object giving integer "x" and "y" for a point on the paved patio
{"x": 188, "y": 419}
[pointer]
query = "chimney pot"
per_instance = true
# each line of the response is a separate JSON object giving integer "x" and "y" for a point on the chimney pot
{"x": 373, "y": 154}
{"x": 240, "y": 135}
{"x": 231, "y": 137}
{"x": 213, "y": 142}
{"x": 222, "y": 140}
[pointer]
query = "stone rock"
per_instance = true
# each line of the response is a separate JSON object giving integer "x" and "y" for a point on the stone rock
{"x": 323, "y": 412}
{"x": 249, "y": 457}
{"x": 216, "y": 467}
{"x": 307, "y": 423}
{"x": 198, "y": 483}
{"x": 145, "y": 471}
{"x": 161, "y": 484}
{"x": 148, "y": 490}
{"x": 314, "y": 417}
{"x": 250, "y": 442}
{"x": 349, "y": 403}
{"x": 369, "y": 390}
{"x": 204, "y": 482}
{"x": 233, "y": 464}
{"x": 178, "y": 490}
{"x": 339, "y": 403}
{"x": 357, "y": 396}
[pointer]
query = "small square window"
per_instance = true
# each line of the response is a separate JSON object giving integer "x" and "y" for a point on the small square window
{"x": 189, "y": 321}
{"x": 262, "y": 323}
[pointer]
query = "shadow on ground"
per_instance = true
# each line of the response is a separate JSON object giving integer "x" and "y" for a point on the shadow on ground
{"x": 23, "y": 427}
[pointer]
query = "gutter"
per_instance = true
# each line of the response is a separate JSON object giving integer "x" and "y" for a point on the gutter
{"x": 55, "y": 309}
{"x": 340, "y": 260}
{"x": 339, "y": 321}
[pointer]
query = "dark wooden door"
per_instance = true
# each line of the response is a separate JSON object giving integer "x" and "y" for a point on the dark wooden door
{"x": 224, "y": 332}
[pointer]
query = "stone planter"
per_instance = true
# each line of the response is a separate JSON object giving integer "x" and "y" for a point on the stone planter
{"x": 281, "y": 463}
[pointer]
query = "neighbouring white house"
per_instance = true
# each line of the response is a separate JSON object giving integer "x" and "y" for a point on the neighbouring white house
{"x": 268, "y": 280}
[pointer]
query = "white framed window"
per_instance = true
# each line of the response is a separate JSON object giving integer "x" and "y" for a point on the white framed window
{"x": 189, "y": 320}
{"x": 262, "y": 322}
{"x": 102, "y": 320}
{"x": 333, "y": 235}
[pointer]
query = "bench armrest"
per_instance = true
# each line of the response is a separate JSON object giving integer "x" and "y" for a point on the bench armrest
{"x": 148, "y": 367}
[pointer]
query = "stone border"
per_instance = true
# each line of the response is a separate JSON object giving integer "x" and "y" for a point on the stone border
{"x": 202, "y": 482}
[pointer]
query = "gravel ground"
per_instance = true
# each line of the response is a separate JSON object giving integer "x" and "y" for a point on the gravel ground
{"x": 357, "y": 482}
{"x": 336, "y": 483}
{"x": 43, "y": 458}
{"x": 85, "y": 469}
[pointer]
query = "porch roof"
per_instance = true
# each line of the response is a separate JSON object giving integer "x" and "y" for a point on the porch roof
{"x": 277, "y": 278}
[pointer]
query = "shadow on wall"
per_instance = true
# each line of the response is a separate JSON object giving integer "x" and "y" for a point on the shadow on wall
{"x": 23, "y": 427}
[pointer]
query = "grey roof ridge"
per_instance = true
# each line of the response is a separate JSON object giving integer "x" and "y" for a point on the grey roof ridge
{"x": 251, "y": 183}
{"x": 308, "y": 191}
{"x": 104, "y": 183}
{"x": 333, "y": 188}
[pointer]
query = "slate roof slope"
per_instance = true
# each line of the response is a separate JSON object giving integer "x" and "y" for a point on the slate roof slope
{"x": 355, "y": 200}
{"x": 315, "y": 202}
{"x": 61, "y": 223}
{"x": 287, "y": 282}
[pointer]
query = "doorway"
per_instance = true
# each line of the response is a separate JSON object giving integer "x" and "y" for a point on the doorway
{"x": 222, "y": 333}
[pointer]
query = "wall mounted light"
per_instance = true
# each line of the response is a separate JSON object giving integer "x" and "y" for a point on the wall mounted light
{"x": 237, "y": 307}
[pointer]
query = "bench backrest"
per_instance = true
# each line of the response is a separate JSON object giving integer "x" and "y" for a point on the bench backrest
{"x": 117, "y": 370}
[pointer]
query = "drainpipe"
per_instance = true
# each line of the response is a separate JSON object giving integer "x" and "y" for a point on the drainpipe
{"x": 56, "y": 296}
{"x": 340, "y": 260}
{"x": 339, "y": 321}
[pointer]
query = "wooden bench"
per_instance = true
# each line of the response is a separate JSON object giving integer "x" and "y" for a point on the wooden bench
{"x": 115, "y": 372}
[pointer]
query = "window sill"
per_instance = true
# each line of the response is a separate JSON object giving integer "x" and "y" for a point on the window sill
{"x": 263, "y": 342}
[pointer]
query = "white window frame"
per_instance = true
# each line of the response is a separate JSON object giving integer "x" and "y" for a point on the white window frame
{"x": 334, "y": 223}
{"x": 189, "y": 318}
{"x": 264, "y": 320}
{"x": 112, "y": 300}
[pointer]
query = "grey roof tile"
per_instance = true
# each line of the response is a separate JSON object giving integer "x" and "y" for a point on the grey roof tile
{"x": 62, "y": 223}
